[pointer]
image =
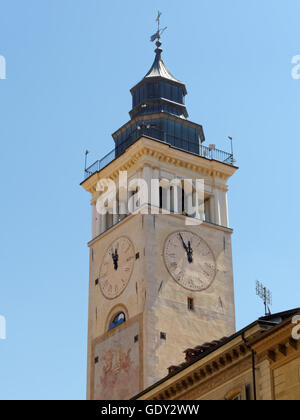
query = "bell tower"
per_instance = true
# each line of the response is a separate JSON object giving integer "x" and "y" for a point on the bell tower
{"x": 161, "y": 277}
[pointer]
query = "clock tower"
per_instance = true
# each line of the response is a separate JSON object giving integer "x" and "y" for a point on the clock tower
{"x": 161, "y": 276}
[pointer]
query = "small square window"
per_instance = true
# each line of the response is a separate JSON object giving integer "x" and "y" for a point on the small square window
{"x": 136, "y": 338}
{"x": 96, "y": 360}
{"x": 137, "y": 255}
{"x": 96, "y": 282}
{"x": 163, "y": 336}
{"x": 190, "y": 304}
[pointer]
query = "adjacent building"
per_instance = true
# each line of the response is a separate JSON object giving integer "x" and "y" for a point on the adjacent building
{"x": 260, "y": 362}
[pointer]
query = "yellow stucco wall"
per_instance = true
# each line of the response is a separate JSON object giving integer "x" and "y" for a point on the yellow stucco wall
{"x": 287, "y": 381}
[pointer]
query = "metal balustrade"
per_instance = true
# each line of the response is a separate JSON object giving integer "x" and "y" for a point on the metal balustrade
{"x": 210, "y": 153}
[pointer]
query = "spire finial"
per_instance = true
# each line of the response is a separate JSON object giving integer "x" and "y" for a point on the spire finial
{"x": 158, "y": 33}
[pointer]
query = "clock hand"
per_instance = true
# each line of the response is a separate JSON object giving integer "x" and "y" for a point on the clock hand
{"x": 188, "y": 249}
{"x": 115, "y": 258}
{"x": 183, "y": 243}
{"x": 190, "y": 252}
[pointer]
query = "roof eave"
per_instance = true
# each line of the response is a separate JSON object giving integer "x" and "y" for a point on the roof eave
{"x": 158, "y": 78}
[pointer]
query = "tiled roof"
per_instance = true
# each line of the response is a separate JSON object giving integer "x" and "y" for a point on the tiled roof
{"x": 193, "y": 354}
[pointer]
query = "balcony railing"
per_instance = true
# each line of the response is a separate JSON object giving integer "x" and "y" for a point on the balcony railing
{"x": 210, "y": 153}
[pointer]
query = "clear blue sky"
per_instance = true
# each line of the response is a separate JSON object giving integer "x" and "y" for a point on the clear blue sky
{"x": 70, "y": 65}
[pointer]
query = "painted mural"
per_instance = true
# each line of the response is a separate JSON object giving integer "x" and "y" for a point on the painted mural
{"x": 117, "y": 370}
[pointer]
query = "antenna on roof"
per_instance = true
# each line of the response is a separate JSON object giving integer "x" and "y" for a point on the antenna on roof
{"x": 266, "y": 295}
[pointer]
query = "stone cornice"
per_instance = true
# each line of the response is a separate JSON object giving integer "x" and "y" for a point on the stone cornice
{"x": 157, "y": 154}
{"x": 143, "y": 213}
{"x": 206, "y": 374}
{"x": 278, "y": 345}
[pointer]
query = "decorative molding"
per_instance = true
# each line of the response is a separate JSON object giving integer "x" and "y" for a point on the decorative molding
{"x": 278, "y": 346}
{"x": 207, "y": 375}
{"x": 147, "y": 150}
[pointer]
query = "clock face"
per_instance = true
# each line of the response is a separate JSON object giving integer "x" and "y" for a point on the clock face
{"x": 189, "y": 260}
{"x": 116, "y": 268}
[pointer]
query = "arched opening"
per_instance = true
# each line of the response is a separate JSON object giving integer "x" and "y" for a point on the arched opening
{"x": 117, "y": 320}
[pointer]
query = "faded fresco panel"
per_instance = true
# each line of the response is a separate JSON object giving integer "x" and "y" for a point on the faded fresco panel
{"x": 117, "y": 370}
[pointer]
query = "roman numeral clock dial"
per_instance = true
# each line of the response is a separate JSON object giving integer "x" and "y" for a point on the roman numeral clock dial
{"x": 116, "y": 268}
{"x": 189, "y": 260}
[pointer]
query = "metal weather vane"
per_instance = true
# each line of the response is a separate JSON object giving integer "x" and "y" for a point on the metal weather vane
{"x": 159, "y": 31}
